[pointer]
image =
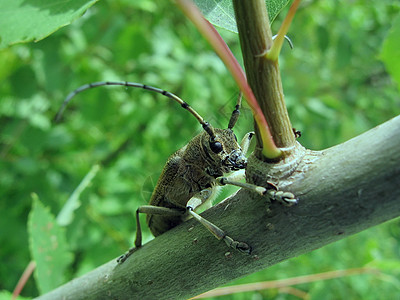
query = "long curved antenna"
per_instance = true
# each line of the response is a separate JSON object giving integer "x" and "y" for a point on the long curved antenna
{"x": 206, "y": 126}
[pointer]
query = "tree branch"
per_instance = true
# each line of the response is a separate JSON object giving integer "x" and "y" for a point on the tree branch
{"x": 341, "y": 190}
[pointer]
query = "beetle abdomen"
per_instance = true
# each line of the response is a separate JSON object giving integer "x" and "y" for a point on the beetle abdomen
{"x": 160, "y": 224}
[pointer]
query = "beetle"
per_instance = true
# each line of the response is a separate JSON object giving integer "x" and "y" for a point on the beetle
{"x": 192, "y": 175}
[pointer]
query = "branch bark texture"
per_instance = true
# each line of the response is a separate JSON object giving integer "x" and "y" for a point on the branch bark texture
{"x": 341, "y": 190}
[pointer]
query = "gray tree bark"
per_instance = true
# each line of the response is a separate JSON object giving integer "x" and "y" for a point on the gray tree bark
{"x": 342, "y": 190}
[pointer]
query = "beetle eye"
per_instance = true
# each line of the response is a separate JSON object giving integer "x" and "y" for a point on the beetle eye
{"x": 215, "y": 146}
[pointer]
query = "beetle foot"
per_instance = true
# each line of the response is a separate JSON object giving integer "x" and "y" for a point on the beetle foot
{"x": 286, "y": 198}
{"x": 123, "y": 257}
{"x": 240, "y": 246}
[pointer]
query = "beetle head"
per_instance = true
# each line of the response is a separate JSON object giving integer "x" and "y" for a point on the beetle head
{"x": 222, "y": 153}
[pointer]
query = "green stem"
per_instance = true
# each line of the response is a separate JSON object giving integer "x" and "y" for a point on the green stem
{"x": 263, "y": 74}
{"x": 267, "y": 144}
{"x": 273, "y": 53}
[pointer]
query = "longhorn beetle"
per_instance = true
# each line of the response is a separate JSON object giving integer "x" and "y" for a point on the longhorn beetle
{"x": 193, "y": 174}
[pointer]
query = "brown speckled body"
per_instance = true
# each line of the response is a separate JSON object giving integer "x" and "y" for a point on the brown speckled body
{"x": 190, "y": 170}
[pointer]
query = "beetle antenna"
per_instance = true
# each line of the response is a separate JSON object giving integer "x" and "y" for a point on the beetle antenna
{"x": 236, "y": 113}
{"x": 206, "y": 126}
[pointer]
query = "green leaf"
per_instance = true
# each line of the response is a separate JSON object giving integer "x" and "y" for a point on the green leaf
{"x": 48, "y": 247}
{"x": 23, "y": 21}
{"x": 391, "y": 51}
{"x": 220, "y": 12}
{"x": 66, "y": 214}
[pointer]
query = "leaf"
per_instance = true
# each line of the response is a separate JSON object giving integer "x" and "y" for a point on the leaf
{"x": 220, "y": 12}
{"x": 66, "y": 215}
{"x": 390, "y": 52}
{"x": 23, "y": 21}
{"x": 48, "y": 247}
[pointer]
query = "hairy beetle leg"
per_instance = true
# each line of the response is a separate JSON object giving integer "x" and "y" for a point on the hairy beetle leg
{"x": 152, "y": 210}
{"x": 195, "y": 202}
{"x": 286, "y": 198}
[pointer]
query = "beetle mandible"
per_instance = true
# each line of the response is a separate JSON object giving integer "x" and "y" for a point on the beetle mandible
{"x": 193, "y": 174}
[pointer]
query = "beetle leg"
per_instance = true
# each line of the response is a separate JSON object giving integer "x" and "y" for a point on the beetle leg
{"x": 147, "y": 209}
{"x": 196, "y": 201}
{"x": 228, "y": 180}
{"x": 274, "y": 194}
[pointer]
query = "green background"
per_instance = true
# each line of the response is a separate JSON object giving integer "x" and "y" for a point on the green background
{"x": 335, "y": 87}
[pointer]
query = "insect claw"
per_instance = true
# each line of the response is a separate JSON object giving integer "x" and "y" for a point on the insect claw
{"x": 123, "y": 257}
{"x": 244, "y": 248}
{"x": 240, "y": 246}
{"x": 289, "y": 201}
{"x": 286, "y": 198}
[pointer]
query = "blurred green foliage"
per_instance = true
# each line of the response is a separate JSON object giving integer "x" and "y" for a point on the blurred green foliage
{"x": 335, "y": 87}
